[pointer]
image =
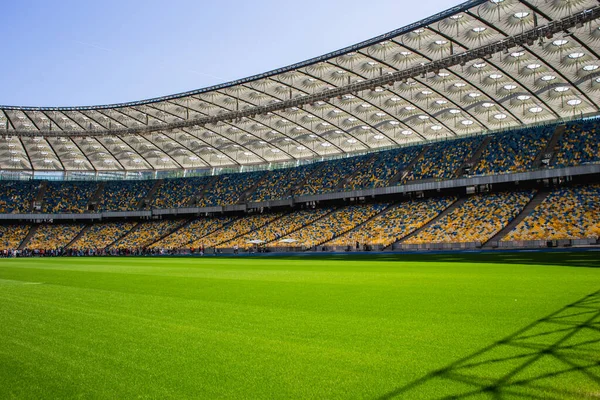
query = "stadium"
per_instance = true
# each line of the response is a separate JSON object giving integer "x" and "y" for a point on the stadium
{"x": 413, "y": 216}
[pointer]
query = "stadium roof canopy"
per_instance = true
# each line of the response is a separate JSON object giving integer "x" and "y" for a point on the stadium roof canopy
{"x": 480, "y": 66}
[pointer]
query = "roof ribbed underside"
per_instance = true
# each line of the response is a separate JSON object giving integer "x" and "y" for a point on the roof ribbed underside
{"x": 552, "y": 77}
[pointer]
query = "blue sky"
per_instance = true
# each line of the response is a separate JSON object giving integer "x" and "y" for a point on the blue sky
{"x": 69, "y": 53}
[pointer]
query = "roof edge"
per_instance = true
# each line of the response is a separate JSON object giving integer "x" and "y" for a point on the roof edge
{"x": 358, "y": 46}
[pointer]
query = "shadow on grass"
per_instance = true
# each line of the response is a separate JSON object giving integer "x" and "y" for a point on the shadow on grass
{"x": 555, "y": 357}
{"x": 588, "y": 259}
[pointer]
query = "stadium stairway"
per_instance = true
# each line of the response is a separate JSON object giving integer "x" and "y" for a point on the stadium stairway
{"x": 390, "y": 206}
{"x": 344, "y": 182}
{"x": 527, "y": 210}
{"x": 216, "y": 228}
{"x": 304, "y": 226}
{"x": 95, "y": 198}
{"x": 273, "y": 221}
{"x": 252, "y": 189}
{"x": 441, "y": 215}
{"x": 468, "y": 165}
{"x": 170, "y": 232}
{"x": 549, "y": 152}
{"x": 555, "y": 146}
{"x": 382, "y": 213}
{"x": 117, "y": 240}
{"x": 39, "y": 197}
{"x": 399, "y": 177}
{"x": 27, "y": 239}
{"x": 300, "y": 184}
{"x": 148, "y": 199}
{"x": 76, "y": 238}
{"x": 205, "y": 188}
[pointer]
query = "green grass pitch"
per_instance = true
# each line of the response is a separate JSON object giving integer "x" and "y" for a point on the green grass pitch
{"x": 503, "y": 326}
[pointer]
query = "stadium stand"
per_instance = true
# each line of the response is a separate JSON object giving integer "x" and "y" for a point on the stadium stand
{"x": 567, "y": 213}
{"x": 67, "y": 197}
{"x": 280, "y": 184}
{"x": 101, "y": 235}
{"x": 394, "y": 223}
{"x": 17, "y": 196}
{"x": 331, "y": 175}
{"x": 279, "y": 228}
{"x": 442, "y": 160}
{"x": 579, "y": 144}
{"x": 386, "y": 165}
{"x": 476, "y": 220}
{"x": 124, "y": 195}
{"x": 332, "y": 225}
{"x": 147, "y": 232}
{"x": 238, "y": 227}
{"x": 229, "y": 188}
{"x": 176, "y": 193}
{"x": 53, "y": 236}
{"x": 192, "y": 232}
{"x": 513, "y": 151}
{"x": 11, "y": 236}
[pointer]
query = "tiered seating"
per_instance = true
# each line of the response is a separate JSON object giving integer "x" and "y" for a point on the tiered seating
{"x": 146, "y": 233}
{"x": 331, "y": 175}
{"x": 227, "y": 189}
{"x": 279, "y": 228}
{"x": 442, "y": 160}
{"x": 579, "y": 144}
{"x": 16, "y": 196}
{"x": 332, "y": 225}
{"x": 175, "y": 193}
{"x": 476, "y": 220}
{"x": 385, "y": 167}
{"x": 239, "y": 227}
{"x": 100, "y": 235}
{"x": 567, "y": 213}
{"x": 124, "y": 195}
{"x": 392, "y": 225}
{"x": 280, "y": 184}
{"x": 68, "y": 197}
{"x": 197, "y": 229}
{"x": 514, "y": 151}
{"x": 11, "y": 236}
{"x": 53, "y": 237}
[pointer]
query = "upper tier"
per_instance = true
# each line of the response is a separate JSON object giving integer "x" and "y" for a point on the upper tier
{"x": 515, "y": 151}
{"x": 480, "y": 66}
